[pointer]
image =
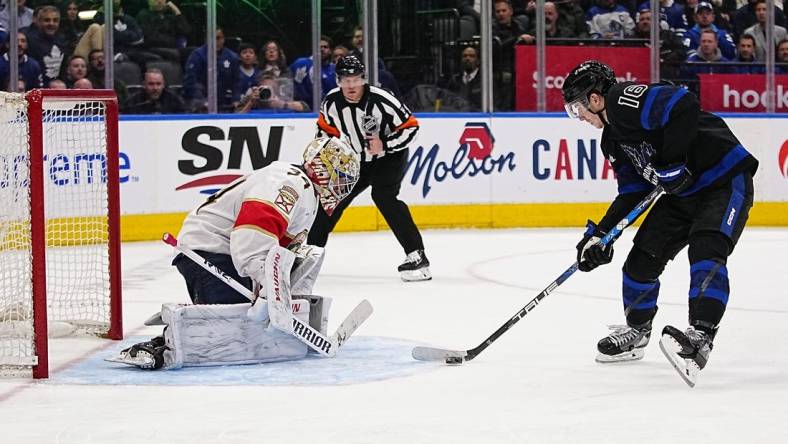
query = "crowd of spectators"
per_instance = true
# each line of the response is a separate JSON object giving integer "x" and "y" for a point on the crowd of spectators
{"x": 695, "y": 36}
{"x": 58, "y": 49}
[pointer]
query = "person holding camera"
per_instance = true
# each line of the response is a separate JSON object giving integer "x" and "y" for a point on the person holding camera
{"x": 269, "y": 95}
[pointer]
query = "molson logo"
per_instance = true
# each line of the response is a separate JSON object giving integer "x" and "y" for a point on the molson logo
{"x": 474, "y": 156}
{"x": 210, "y": 159}
{"x": 783, "y": 159}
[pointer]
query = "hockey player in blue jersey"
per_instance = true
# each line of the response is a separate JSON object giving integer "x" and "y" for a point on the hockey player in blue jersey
{"x": 656, "y": 134}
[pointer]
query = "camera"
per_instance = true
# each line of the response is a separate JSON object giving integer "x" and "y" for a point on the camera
{"x": 266, "y": 93}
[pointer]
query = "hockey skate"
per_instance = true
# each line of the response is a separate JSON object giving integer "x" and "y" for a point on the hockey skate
{"x": 688, "y": 351}
{"x": 624, "y": 343}
{"x": 415, "y": 267}
{"x": 147, "y": 355}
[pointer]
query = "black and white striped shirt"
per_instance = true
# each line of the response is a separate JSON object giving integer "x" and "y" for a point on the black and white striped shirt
{"x": 393, "y": 121}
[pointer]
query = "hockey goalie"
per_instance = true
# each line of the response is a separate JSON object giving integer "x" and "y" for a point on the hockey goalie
{"x": 246, "y": 242}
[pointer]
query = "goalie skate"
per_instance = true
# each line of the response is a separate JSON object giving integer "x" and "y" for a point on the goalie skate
{"x": 687, "y": 351}
{"x": 145, "y": 355}
{"x": 623, "y": 344}
{"x": 415, "y": 268}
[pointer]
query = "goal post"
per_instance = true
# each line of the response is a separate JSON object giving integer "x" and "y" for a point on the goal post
{"x": 59, "y": 222}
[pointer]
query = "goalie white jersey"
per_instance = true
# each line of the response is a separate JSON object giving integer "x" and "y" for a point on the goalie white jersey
{"x": 272, "y": 206}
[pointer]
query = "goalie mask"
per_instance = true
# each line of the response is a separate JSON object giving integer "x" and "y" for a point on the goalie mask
{"x": 333, "y": 166}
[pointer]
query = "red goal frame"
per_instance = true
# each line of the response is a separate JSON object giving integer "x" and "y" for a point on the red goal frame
{"x": 36, "y": 99}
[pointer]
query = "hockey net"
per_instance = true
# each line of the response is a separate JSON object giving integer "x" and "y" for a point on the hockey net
{"x": 59, "y": 237}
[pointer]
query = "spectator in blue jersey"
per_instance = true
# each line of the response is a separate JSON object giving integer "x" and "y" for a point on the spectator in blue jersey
{"x": 194, "y": 79}
{"x": 704, "y": 19}
{"x": 301, "y": 70}
{"x": 248, "y": 71}
{"x": 29, "y": 69}
{"x": 609, "y": 20}
{"x": 671, "y": 13}
{"x": 745, "y": 54}
{"x": 705, "y": 59}
{"x": 45, "y": 45}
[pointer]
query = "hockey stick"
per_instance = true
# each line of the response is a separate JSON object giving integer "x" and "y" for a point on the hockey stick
{"x": 304, "y": 332}
{"x": 459, "y": 356}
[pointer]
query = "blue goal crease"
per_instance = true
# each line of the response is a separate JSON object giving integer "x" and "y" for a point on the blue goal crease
{"x": 363, "y": 359}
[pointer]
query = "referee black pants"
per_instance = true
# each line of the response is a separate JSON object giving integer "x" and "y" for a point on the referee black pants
{"x": 384, "y": 175}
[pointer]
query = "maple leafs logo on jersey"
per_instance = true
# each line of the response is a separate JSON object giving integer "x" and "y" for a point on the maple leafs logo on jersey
{"x": 286, "y": 199}
{"x": 640, "y": 156}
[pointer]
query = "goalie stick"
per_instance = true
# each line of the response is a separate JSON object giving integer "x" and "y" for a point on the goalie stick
{"x": 460, "y": 356}
{"x": 304, "y": 332}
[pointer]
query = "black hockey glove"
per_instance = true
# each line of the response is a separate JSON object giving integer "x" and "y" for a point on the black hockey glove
{"x": 675, "y": 180}
{"x": 589, "y": 254}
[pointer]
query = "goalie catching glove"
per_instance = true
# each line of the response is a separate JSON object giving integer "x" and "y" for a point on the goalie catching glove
{"x": 589, "y": 253}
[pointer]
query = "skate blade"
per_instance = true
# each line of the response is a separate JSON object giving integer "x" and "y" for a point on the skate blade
{"x": 632, "y": 355}
{"x": 422, "y": 274}
{"x": 686, "y": 368}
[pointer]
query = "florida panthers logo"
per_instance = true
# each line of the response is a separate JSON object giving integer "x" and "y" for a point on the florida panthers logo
{"x": 479, "y": 139}
{"x": 783, "y": 159}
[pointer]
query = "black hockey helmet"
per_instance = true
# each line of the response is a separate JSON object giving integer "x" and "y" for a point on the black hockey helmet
{"x": 587, "y": 77}
{"x": 349, "y": 66}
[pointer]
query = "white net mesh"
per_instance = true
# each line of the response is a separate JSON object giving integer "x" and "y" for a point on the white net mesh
{"x": 75, "y": 190}
{"x": 16, "y": 293}
{"x": 76, "y": 216}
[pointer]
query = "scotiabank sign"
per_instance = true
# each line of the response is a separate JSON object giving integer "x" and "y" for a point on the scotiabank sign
{"x": 629, "y": 64}
{"x": 741, "y": 92}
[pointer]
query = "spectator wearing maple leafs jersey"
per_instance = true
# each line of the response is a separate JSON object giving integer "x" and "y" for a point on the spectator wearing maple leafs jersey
{"x": 45, "y": 45}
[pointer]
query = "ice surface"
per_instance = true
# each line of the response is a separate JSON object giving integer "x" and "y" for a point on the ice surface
{"x": 538, "y": 383}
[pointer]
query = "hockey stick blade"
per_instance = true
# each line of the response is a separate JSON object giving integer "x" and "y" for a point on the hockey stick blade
{"x": 458, "y": 357}
{"x": 438, "y": 354}
{"x": 351, "y": 323}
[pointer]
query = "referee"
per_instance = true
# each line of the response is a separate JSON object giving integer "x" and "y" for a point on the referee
{"x": 380, "y": 128}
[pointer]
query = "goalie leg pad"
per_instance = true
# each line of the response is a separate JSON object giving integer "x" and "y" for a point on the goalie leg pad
{"x": 205, "y": 335}
{"x": 309, "y": 260}
{"x": 276, "y": 290}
